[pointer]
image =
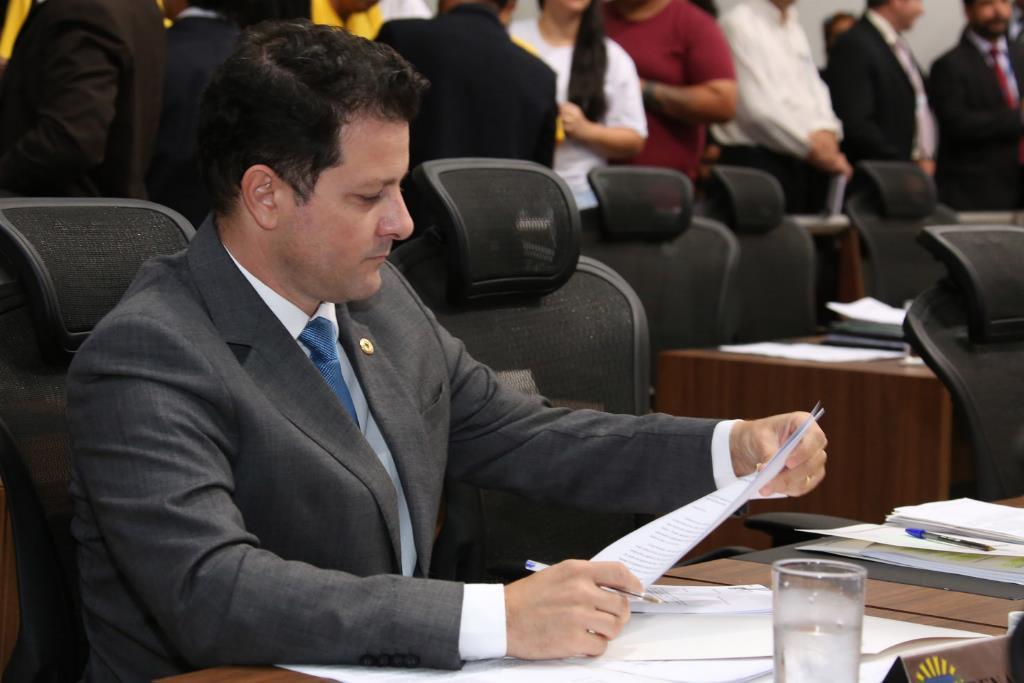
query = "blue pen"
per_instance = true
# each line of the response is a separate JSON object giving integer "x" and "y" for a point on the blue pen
{"x": 534, "y": 566}
{"x": 932, "y": 536}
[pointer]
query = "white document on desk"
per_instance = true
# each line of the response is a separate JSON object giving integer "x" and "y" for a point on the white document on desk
{"x": 713, "y": 636}
{"x": 818, "y": 353}
{"x": 752, "y": 599}
{"x": 897, "y": 536}
{"x": 652, "y": 549}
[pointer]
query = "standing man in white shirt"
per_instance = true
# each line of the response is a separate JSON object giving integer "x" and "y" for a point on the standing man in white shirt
{"x": 784, "y": 124}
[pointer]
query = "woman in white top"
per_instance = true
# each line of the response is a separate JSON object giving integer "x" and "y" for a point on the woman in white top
{"x": 602, "y": 107}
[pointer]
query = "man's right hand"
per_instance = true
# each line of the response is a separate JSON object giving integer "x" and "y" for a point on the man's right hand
{"x": 562, "y": 611}
{"x": 824, "y": 153}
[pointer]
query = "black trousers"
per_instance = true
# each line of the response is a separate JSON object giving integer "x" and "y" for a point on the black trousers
{"x": 805, "y": 187}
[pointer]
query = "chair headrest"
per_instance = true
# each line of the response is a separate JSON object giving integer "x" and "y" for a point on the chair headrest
{"x": 642, "y": 203}
{"x": 985, "y": 262}
{"x": 512, "y": 227}
{"x": 74, "y": 258}
{"x": 902, "y": 189}
{"x": 747, "y": 200}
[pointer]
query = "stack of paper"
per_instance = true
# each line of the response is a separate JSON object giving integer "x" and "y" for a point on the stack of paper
{"x": 813, "y": 352}
{"x": 976, "y": 564}
{"x": 964, "y": 517}
{"x": 751, "y": 599}
{"x": 998, "y": 526}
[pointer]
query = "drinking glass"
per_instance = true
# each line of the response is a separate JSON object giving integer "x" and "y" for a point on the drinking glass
{"x": 818, "y": 610}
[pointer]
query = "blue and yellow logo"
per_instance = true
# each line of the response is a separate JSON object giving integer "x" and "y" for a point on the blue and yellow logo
{"x": 937, "y": 670}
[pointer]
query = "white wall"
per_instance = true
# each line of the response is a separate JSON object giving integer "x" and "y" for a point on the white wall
{"x": 935, "y": 32}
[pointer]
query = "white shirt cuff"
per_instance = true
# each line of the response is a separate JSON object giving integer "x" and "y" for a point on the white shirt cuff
{"x": 721, "y": 456}
{"x": 482, "y": 628}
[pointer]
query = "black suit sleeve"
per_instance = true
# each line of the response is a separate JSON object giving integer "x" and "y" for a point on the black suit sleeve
{"x": 76, "y": 111}
{"x": 854, "y": 101}
{"x": 545, "y": 153}
{"x": 950, "y": 91}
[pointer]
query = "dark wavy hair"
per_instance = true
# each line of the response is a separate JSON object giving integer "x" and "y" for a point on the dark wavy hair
{"x": 283, "y": 96}
{"x": 589, "y": 63}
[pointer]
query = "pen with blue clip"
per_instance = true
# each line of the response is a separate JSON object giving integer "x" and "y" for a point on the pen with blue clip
{"x": 533, "y": 566}
{"x": 942, "y": 538}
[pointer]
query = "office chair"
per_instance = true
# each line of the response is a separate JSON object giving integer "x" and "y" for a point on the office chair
{"x": 890, "y": 202}
{"x": 1016, "y": 653}
{"x": 683, "y": 268}
{"x": 69, "y": 260}
{"x": 969, "y": 329}
{"x": 776, "y": 274}
{"x": 502, "y": 272}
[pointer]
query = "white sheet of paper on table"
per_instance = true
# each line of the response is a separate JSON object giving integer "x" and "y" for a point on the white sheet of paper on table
{"x": 898, "y": 536}
{"x": 869, "y": 310}
{"x": 750, "y": 599}
{"x": 820, "y": 353}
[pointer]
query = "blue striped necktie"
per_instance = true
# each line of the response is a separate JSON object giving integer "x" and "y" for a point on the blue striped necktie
{"x": 319, "y": 338}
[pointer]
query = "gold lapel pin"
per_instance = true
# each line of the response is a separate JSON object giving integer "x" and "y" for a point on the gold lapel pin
{"x": 366, "y": 345}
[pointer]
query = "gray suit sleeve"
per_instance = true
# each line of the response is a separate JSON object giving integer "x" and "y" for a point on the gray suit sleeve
{"x": 501, "y": 438}
{"x": 154, "y": 435}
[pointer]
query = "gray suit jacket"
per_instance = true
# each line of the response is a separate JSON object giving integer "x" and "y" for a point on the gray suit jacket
{"x": 227, "y": 511}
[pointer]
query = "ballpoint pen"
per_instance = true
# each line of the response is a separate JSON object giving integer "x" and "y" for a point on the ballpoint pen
{"x": 534, "y": 566}
{"x": 932, "y": 536}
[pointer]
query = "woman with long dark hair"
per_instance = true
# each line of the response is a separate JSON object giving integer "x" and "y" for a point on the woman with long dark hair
{"x": 601, "y": 105}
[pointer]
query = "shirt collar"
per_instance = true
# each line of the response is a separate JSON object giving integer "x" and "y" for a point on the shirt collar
{"x": 889, "y": 34}
{"x": 768, "y": 9}
{"x": 985, "y": 45}
{"x": 201, "y": 12}
{"x": 291, "y": 316}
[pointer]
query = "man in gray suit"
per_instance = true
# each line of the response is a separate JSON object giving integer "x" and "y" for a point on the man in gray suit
{"x": 262, "y": 426}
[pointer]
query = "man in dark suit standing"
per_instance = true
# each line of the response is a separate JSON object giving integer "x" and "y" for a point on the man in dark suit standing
{"x": 877, "y": 89}
{"x": 80, "y": 99}
{"x": 263, "y": 425}
{"x": 488, "y": 97}
{"x": 976, "y": 91}
{"x": 203, "y": 34}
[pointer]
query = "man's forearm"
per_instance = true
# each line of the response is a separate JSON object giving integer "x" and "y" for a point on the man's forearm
{"x": 711, "y": 102}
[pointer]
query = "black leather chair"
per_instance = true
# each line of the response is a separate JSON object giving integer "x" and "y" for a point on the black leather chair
{"x": 890, "y": 202}
{"x": 63, "y": 264}
{"x": 969, "y": 329}
{"x": 777, "y": 267}
{"x": 502, "y": 272}
{"x": 1016, "y": 646}
{"x": 682, "y": 267}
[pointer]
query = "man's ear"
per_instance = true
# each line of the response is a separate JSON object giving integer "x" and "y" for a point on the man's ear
{"x": 265, "y": 195}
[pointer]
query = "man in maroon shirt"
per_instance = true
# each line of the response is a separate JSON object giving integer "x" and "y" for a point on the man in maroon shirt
{"x": 686, "y": 72}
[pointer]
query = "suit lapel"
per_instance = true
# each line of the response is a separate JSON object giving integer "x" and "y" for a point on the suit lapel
{"x": 890, "y": 55}
{"x": 398, "y": 417}
{"x": 282, "y": 371}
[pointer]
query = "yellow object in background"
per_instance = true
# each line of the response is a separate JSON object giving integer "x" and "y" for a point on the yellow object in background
{"x": 17, "y": 11}
{"x": 363, "y": 24}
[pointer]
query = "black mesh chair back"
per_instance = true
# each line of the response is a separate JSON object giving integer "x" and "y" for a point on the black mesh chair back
{"x": 683, "y": 268}
{"x": 502, "y": 273}
{"x": 890, "y": 202}
{"x": 969, "y": 329}
{"x": 777, "y": 267}
{"x": 63, "y": 265}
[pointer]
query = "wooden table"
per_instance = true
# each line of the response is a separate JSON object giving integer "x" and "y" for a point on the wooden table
{"x": 889, "y": 425}
{"x": 928, "y": 606}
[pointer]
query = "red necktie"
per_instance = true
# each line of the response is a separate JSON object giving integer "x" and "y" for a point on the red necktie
{"x": 1011, "y": 101}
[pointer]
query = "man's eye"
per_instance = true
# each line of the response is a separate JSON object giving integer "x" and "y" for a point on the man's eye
{"x": 371, "y": 198}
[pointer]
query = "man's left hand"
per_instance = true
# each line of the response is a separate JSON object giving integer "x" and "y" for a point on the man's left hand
{"x": 752, "y": 442}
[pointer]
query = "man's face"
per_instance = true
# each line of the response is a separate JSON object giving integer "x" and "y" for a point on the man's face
{"x": 331, "y": 248}
{"x": 989, "y": 18}
{"x": 906, "y": 12}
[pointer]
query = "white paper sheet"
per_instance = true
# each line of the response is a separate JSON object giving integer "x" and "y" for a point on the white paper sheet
{"x": 869, "y": 310}
{"x": 750, "y": 599}
{"x": 712, "y": 636}
{"x": 820, "y": 353}
{"x": 964, "y": 515}
{"x": 652, "y": 549}
{"x": 487, "y": 671}
{"x": 696, "y": 671}
{"x": 898, "y": 536}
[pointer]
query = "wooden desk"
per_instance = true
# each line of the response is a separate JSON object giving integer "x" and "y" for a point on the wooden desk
{"x": 890, "y": 427}
{"x": 882, "y": 599}
{"x": 930, "y": 606}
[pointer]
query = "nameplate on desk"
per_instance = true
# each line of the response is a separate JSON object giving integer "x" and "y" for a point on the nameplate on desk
{"x": 985, "y": 660}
